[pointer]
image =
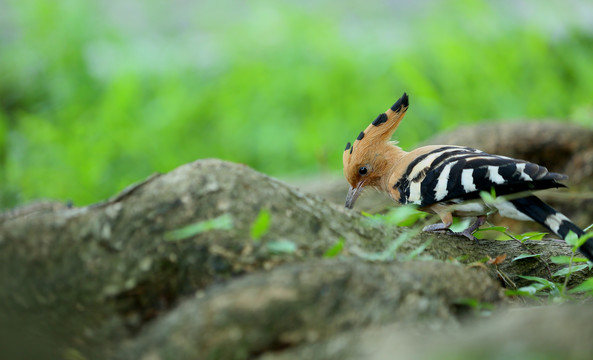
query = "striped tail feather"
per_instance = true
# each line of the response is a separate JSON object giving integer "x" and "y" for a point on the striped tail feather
{"x": 552, "y": 220}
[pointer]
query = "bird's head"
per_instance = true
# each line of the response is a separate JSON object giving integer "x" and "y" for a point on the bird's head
{"x": 369, "y": 158}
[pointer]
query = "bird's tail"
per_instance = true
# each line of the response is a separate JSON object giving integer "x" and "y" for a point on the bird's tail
{"x": 554, "y": 221}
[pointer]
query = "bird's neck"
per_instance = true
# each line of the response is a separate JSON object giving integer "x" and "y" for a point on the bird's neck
{"x": 393, "y": 155}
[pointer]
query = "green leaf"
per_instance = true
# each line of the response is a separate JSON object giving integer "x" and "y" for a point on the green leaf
{"x": 545, "y": 282}
{"x": 261, "y": 224}
{"x": 525, "y": 256}
{"x": 532, "y": 235}
{"x": 223, "y": 222}
{"x": 561, "y": 259}
{"x": 534, "y": 288}
{"x": 566, "y": 259}
{"x": 488, "y": 197}
{"x": 518, "y": 293}
{"x": 403, "y": 216}
{"x": 583, "y": 239}
{"x": 586, "y": 285}
{"x": 281, "y": 247}
{"x": 474, "y": 303}
{"x": 571, "y": 270}
{"x": 460, "y": 225}
{"x": 530, "y": 289}
{"x": 571, "y": 239}
{"x": 335, "y": 249}
{"x": 462, "y": 258}
{"x": 503, "y": 237}
{"x": 500, "y": 229}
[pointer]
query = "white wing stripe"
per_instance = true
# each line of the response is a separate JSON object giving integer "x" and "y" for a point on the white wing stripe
{"x": 467, "y": 180}
{"x": 521, "y": 170}
{"x": 415, "y": 195}
{"x": 494, "y": 176}
{"x": 441, "y": 188}
{"x": 554, "y": 221}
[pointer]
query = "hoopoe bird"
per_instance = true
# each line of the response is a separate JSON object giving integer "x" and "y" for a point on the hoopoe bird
{"x": 447, "y": 180}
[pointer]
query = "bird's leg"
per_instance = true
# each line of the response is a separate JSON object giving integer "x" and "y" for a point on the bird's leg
{"x": 447, "y": 220}
{"x": 468, "y": 233}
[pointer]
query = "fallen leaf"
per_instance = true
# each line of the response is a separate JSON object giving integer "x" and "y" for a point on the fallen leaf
{"x": 497, "y": 260}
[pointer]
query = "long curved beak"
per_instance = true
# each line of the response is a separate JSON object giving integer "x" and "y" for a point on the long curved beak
{"x": 353, "y": 194}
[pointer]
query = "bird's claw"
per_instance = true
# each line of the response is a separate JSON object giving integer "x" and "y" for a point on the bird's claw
{"x": 467, "y": 234}
{"x": 438, "y": 228}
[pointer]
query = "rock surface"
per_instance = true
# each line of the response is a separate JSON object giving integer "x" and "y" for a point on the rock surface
{"x": 183, "y": 266}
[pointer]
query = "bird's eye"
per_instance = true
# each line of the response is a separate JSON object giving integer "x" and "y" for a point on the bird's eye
{"x": 363, "y": 170}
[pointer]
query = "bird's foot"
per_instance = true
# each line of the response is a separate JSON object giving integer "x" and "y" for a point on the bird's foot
{"x": 442, "y": 228}
{"x": 439, "y": 228}
{"x": 469, "y": 232}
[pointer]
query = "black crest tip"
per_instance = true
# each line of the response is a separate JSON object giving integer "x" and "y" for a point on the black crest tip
{"x": 380, "y": 119}
{"x": 360, "y": 136}
{"x": 347, "y": 146}
{"x": 402, "y": 101}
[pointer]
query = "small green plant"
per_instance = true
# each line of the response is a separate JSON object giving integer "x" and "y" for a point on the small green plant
{"x": 538, "y": 287}
{"x": 479, "y": 307}
{"x": 558, "y": 291}
{"x": 584, "y": 287}
{"x": 488, "y": 197}
{"x": 261, "y": 224}
{"x": 389, "y": 253}
{"x": 406, "y": 215}
{"x": 222, "y": 222}
{"x": 532, "y": 235}
{"x": 281, "y": 246}
{"x": 526, "y": 256}
{"x": 335, "y": 250}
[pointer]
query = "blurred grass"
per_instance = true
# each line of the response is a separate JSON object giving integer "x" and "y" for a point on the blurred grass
{"x": 96, "y": 95}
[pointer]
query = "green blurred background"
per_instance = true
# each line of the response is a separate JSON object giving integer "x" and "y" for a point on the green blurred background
{"x": 95, "y": 95}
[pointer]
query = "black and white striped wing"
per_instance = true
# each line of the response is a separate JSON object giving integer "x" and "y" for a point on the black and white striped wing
{"x": 454, "y": 172}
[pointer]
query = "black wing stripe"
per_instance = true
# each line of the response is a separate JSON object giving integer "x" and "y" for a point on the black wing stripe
{"x": 441, "y": 161}
{"x": 509, "y": 172}
{"x": 444, "y": 159}
{"x": 480, "y": 178}
{"x": 490, "y": 160}
{"x": 455, "y": 175}
{"x": 417, "y": 160}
